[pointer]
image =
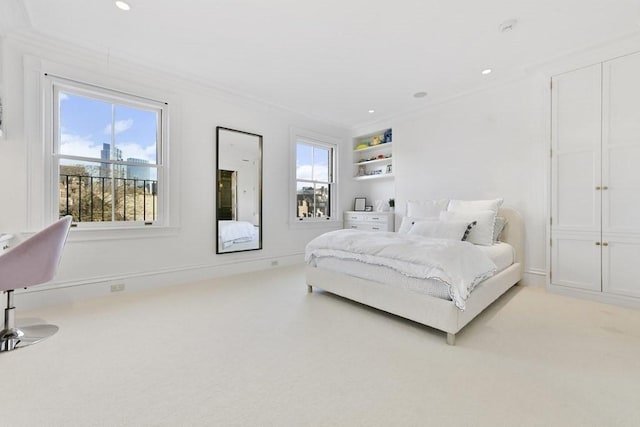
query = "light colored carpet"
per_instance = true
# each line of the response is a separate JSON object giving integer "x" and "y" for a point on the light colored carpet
{"x": 257, "y": 350}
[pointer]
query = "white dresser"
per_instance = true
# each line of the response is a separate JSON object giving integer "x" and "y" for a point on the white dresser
{"x": 369, "y": 221}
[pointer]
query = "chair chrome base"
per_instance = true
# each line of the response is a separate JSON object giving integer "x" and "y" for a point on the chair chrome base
{"x": 13, "y": 339}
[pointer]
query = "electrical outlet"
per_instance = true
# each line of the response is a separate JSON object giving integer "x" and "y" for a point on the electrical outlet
{"x": 117, "y": 287}
{"x": 274, "y": 263}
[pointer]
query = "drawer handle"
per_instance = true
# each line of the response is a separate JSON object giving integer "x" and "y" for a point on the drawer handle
{"x": 354, "y": 226}
{"x": 375, "y": 228}
{"x": 598, "y": 187}
{"x": 597, "y": 243}
{"x": 605, "y": 188}
{"x": 375, "y": 218}
{"x": 605, "y": 243}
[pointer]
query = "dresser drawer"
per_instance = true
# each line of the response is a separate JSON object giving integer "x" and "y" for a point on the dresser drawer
{"x": 376, "y": 218}
{"x": 349, "y": 216}
{"x": 367, "y": 226}
{"x": 369, "y": 221}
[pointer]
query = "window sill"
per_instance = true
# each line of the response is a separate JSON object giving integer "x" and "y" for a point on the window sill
{"x": 296, "y": 224}
{"x": 120, "y": 233}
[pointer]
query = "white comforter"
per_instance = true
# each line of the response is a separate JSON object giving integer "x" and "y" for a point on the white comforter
{"x": 236, "y": 232}
{"x": 460, "y": 265}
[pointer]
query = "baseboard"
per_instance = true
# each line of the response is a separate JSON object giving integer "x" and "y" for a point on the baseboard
{"x": 534, "y": 277}
{"x": 66, "y": 292}
{"x": 619, "y": 300}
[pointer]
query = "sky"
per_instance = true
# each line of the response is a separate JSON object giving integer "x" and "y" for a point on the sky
{"x": 86, "y": 123}
{"x": 312, "y": 163}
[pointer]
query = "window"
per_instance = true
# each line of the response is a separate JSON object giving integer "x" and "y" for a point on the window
{"x": 107, "y": 155}
{"x": 315, "y": 179}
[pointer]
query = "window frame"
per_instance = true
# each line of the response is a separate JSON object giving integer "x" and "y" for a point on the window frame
{"x": 52, "y": 86}
{"x": 314, "y": 139}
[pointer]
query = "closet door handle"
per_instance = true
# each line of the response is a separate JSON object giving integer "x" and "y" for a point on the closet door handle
{"x": 597, "y": 243}
{"x": 605, "y": 243}
{"x": 598, "y": 187}
{"x": 605, "y": 188}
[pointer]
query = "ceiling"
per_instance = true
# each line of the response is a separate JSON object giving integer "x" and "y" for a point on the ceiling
{"x": 337, "y": 59}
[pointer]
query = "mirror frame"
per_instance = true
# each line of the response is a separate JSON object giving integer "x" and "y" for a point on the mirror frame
{"x": 216, "y": 183}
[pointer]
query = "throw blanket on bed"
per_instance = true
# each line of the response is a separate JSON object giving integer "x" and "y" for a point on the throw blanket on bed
{"x": 460, "y": 265}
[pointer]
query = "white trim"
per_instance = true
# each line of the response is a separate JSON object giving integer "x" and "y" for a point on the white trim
{"x": 34, "y": 133}
{"x": 183, "y": 79}
{"x": 41, "y": 191}
{"x": 596, "y": 296}
{"x": 93, "y": 234}
{"x": 56, "y": 293}
{"x": 534, "y": 277}
{"x": 577, "y": 58}
{"x": 83, "y": 88}
{"x": 316, "y": 224}
{"x": 53, "y": 85}
{"x": 315, "y": 138}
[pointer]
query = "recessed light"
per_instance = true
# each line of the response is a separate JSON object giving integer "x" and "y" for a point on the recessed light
{"x": 372, "y": 111}
{"x": 420, "y": 94}
{"x": 123, "y": 5}
{"x": 487, "y": 71}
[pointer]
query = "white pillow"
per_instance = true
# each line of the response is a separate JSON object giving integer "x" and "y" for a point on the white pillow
{"x": 497, "y": 229}
{"x": 426, "y": 208}
{"x": 482, "y": 233}
{"x": 406, "y": 224}
{"x": 475, "y": 205}
{"x": 452, "y": 230}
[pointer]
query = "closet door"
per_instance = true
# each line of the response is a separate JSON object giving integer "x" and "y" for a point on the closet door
{"x": 576, "y": 179}
{"x": 621, "y": 176}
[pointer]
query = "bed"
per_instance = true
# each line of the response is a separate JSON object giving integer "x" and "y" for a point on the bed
{"x": 433, "y": 311}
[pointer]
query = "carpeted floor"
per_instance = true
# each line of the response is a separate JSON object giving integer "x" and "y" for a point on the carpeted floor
{"x": 257, "y": 350}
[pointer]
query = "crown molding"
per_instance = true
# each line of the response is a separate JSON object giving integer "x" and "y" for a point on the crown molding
{"x": 13, "y": 16}
{"x": 114, "y": 63}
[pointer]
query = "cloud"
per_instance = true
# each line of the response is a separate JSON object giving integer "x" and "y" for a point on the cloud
{"x": 78, "y": 145}
{"x": 305, "y": 171}
{"x": 136, "y": 151}
{"x": 84, "y": 146}
{"x": 120, "y": 126}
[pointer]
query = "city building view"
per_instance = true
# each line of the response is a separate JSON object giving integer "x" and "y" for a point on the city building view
{"x": 313, "y": 202}
{"x": 93, "y": 192}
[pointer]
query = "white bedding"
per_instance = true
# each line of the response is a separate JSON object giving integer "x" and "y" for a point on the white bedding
{"x": 231, "y": 232}
{"x": 458, "y": 265}
{"x": 502, "y": 254}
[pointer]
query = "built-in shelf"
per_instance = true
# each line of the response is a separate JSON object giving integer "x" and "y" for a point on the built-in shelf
{"x": 375, "y": 161}
{"x": 378, "y": 176}
{"x": 370, "y": 162}
{"x": 374, "y": 147}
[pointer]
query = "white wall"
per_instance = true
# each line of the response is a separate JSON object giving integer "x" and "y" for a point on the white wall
{"x": 485, "y": 145}
{"x": 187, "y": 250}
{"x": 492, "y": 143}
{"x": 488, "y": 144}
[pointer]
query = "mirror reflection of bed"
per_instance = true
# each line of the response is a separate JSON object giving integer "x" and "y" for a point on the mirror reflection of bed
{"x": 238, "y": 198}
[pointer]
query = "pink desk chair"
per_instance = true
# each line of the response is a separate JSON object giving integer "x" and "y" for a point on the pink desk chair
{"x": 32, "y": 262}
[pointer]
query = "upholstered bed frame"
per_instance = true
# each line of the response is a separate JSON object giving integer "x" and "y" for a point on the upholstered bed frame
{"x": 431, "y": 311}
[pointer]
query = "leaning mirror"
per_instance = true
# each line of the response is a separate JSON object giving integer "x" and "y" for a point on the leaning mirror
{"x": 239, "y": 191}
